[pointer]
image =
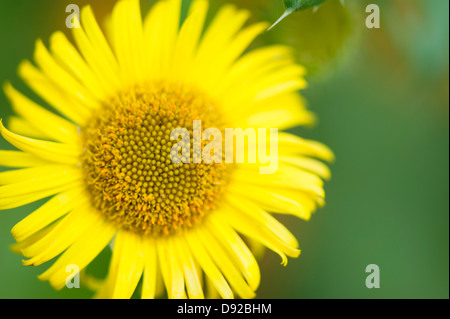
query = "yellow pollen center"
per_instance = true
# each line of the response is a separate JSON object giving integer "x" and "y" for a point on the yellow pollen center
{"x": 128, "y": 167}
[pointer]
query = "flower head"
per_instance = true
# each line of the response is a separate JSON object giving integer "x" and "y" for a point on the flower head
{"x": 104, "y": 157}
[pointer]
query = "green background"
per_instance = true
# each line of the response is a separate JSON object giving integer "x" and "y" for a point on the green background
{"x": 382, "y": 99}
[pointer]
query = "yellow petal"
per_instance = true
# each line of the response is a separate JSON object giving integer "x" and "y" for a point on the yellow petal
{"x": 22, "y": 127}
{"x": 68, "y": 56}
{"x": 211, "y": 291}
{"x": 308, "y": 164}
{"x": 60, "y": 179}
{"x": 133, "y": 26}
{"x": 243, "y": 257}
{"x": 52, "y": 94}
{"x": 253, "y": 65}
{"x": 188, "y": 39}
{"x": 170, "y": 32}
{"x": 33, "y": 173}
{"x": 81, "y": 253}
{"x": 170, "y": 268}
{"x": 55, "y": 208}
{"x": 262, "y": 218}
{"x": 290, "y": 144}
{"x": 282, "y": 87}
{"x": 285, "y": 177}
{"x": 216, "y": 40}
{"x": 245, "y": 226}
{"x": 97, "y": 38}
{"x": 233, "y": 51}
{"x": 208, "y": 265}
{"x": 239, "y": 251}
{"x": 58, "y": 176}
{"x": 161, "y": 28}
{"x": 150, "y": 269}
{"x": 282, "y": 119}
{"x": 71, "y": 227}
{"x": 191, "y": 273}
{"x": 269, "y": 200}
{"x": 221, "y": 259}
{"x": 282, "y": 112}
{"x": 63, "y": 80}
{"x": 121, "y": 40}
{"x": 131, "y": 264}
{"x": 91, "y": 43}
{"x": 263, "y": 88}
{"x": 50, "y": 151}
{"x": 24, "y": 198}
{"x": 17, "y": 247}
{"x": 153, "y": 38}
{"x": 19, "y": 159}
{"x": 107, "y": 288}
{"x": 256, "y": 248}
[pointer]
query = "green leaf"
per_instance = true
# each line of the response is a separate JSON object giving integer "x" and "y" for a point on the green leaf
{"x": 296, "y": 5}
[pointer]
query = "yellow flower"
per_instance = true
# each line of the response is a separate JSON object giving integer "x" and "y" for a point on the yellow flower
{"x": 104, "y": 160}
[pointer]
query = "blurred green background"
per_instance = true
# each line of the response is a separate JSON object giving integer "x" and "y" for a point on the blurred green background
{"x": 382, "y": 98}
